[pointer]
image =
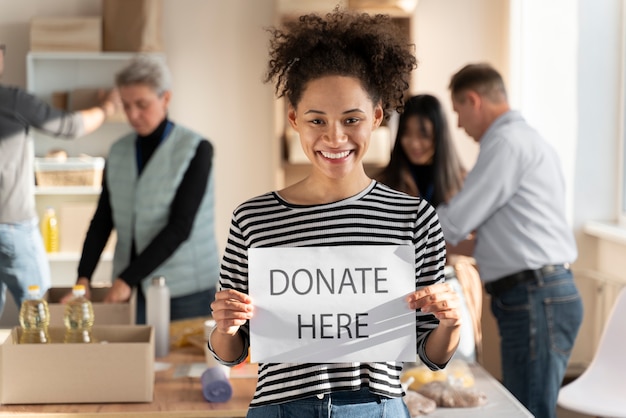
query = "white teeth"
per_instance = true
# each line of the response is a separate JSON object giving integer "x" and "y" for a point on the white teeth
{"x": 334, "y": 156}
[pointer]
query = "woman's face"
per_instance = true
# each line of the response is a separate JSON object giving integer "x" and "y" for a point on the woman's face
{"x": 418, "y": 141}
{"x": 335, "y": 119}
{"x": 144, "y": 108}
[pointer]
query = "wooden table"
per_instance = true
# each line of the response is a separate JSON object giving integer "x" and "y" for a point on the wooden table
{"x": 500, "y": 402}
{"x": 176, "y": 396}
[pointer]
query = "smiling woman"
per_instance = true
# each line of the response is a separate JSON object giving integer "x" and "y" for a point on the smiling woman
{"x": 340, "y": 74}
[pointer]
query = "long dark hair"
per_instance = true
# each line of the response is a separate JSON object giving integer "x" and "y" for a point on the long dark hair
{"x": 448, "y": 172}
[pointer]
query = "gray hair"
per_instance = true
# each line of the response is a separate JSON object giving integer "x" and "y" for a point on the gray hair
{"x": 147, "y": 70}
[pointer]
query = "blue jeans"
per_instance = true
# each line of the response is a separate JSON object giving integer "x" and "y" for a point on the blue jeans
{"x": 189, "y": 306}
{"x": 23, "y": 261}
{"x": 357, "y": 404}
{"x": 538, "y": 324}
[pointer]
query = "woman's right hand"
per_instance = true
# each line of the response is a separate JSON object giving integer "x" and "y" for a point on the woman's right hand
{"x": 231, "y": 309}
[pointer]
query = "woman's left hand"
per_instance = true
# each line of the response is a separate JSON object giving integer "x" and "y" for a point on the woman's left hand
{"x": 440, "y": 300}
{"x": 119, "y": 293}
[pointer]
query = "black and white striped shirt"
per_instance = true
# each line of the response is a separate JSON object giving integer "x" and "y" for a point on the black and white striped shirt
{"x": 378, "y": 215}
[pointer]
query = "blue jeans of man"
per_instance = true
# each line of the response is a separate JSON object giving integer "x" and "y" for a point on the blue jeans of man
{"x": 357, "y": 404}
{"x": 538, "y": 323}
{"x": 23, "y": 261}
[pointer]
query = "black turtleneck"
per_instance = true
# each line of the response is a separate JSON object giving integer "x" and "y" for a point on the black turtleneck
{"x": 182, "y": 214}
{"x": 424, "y": 176}
{"x": 148, "y": 144}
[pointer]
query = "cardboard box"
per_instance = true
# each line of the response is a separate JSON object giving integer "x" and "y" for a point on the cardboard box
{"x": 66, "y": 34}
{"x": 118, "y": 369}
{"x": 104, "y": 313}
{"x": 60, "y": 99}
{"x": 141, "y": 21}
{"x": 85, "y": 98}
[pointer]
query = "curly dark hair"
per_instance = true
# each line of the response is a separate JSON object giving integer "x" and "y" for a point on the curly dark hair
{"x": 368, "y": 47}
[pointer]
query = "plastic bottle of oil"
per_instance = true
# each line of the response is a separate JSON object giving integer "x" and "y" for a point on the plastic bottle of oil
{"x": 50, "y": 230}
{"x": 34, "y": 318}
{"x": 79, "y": 317}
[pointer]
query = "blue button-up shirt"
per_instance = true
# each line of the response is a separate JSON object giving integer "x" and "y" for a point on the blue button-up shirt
{"x": 514, "y": 198}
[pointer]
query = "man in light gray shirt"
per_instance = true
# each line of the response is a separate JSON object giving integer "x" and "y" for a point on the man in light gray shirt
{"x": 514, "y": 200}
{"x": 23, "y": 260}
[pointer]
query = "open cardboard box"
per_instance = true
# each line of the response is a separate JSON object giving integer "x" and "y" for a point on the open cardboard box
{"x": 104, "y": 313}
{"x": 118, "y": 367}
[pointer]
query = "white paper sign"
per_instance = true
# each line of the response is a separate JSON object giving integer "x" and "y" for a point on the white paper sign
{"x": 332, "y": 304}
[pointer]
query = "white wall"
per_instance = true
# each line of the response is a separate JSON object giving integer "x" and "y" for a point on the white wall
{"x": 544, "y": 51}
{"x": 599, "y": 65}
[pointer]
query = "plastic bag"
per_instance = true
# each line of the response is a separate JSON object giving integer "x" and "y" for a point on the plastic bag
{"x": 446, "y": 395}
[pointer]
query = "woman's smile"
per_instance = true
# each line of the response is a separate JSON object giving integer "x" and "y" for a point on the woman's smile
{"x": 335, "y": 155}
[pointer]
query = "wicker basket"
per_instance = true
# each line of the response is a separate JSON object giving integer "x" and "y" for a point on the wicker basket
{"x": 69, "y": 172}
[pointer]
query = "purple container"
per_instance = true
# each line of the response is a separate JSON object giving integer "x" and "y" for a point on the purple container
{"x": 215, "y": 385}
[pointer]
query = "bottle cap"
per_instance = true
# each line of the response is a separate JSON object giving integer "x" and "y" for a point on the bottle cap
{"x": 78, "y": 289}
{"x": 33, "y": 289}
{"x": 158, "y": 281}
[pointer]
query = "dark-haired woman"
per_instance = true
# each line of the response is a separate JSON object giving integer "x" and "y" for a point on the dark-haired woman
{"x": 424, "y": 161}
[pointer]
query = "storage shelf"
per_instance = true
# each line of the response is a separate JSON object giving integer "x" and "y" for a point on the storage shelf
{"x": 74, "y": 256}
{"x": 60, "y": 55}
{"x": 49, "y": 73}
{"x": 67, "y": 190}
{"x": 56, "y": 71}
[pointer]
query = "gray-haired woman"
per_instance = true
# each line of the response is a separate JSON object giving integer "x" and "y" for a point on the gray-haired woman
{"x": 158, "y": 196}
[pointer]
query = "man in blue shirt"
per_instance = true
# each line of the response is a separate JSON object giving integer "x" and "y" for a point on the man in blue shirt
{"x": 514, "y": 199}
